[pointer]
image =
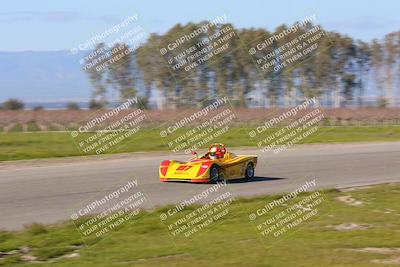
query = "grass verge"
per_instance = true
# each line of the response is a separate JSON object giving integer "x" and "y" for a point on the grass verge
{"x": 359, "y": 227}
{"x": 17, "y": 145}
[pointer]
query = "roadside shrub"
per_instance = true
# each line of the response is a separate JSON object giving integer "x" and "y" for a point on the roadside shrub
{"x": 382, "y": 102}
{"x": 13, "y": 104}
{"x": 38, "y": 108}
{"x": 93, "y": 104}
{"x": 73, "y": 106}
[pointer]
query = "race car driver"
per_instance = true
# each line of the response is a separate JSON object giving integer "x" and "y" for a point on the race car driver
{"x": 216, "y": 153}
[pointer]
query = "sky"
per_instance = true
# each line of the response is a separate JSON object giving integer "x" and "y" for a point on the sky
{"x": 43, "y": 25}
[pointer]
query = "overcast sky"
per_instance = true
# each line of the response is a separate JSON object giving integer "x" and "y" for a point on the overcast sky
{"x": 58, "y": 25}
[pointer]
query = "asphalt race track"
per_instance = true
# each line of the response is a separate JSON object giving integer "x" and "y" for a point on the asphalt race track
{"x": 48, "y": 191}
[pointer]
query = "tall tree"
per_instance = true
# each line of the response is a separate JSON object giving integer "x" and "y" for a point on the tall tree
{"x": 120, "y": 71}
{"x": 94, "y": 66}
{"x": 377, "y": 62}
{"x": 389, "y": 60}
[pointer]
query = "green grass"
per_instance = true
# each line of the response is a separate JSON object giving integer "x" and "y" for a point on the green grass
{"x": 53, "y": 127}
{"x": 33, "y": 127}
{"x": 16, "y": 128}
{"x": 232, "y": 241}
{"x": 16, "y": 145}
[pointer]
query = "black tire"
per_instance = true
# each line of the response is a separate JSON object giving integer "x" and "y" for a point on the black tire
{"x": 249, "y": 172}
{"x": 214, "y": 174}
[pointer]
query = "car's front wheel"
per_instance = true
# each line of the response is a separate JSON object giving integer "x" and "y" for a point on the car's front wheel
{"x": 249, "y": 174}
{"x": 214, "y": 174}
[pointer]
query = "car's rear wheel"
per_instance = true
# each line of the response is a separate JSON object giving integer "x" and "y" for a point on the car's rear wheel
{"x": 249, "y": 174}
{"x": 214, "y": 174}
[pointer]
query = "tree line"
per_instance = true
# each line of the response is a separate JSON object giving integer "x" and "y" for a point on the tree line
{"x": 338, "y": 73}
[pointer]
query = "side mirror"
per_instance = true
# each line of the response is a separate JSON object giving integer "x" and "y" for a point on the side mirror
{"x": 195, "y": 153}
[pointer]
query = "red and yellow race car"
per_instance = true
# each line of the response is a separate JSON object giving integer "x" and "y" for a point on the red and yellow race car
{"x": 216, "y": 165}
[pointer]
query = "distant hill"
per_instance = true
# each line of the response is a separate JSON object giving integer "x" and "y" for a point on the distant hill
{"x": 42, "y": 75}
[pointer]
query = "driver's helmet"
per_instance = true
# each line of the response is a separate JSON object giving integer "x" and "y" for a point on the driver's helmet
{"x": 216, "y": 152}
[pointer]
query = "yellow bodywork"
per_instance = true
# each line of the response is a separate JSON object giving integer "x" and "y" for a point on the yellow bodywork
{"x": 231, "y": 166}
